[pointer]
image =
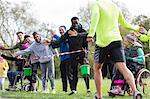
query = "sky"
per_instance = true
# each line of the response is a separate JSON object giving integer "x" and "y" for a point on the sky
{"x": 60, "y": 12}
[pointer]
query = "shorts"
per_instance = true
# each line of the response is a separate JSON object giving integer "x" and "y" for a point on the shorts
{"x": 114, "y": 50}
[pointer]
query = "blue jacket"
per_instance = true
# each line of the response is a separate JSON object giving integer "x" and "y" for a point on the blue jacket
{"x": 64, "y": 47}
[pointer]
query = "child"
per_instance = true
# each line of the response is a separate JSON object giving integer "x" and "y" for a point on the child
{"x": 135, "y": 60}
{"x": 3, "y": 72}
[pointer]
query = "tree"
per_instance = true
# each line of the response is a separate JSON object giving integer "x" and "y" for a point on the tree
{"x": 84, "y": 14}
{"x": 13, "y": 18}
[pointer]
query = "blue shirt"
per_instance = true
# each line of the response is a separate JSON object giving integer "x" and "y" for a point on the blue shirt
{"x": 64, "y": 47}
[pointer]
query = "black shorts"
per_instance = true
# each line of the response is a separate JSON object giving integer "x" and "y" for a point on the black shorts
{"x": 114, "y": 50}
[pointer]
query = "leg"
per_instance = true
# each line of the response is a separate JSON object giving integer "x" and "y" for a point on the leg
{"x": 87, "y": 80}
{"x": 74, "y": 65}
{"x": 11, "y": 77}
{"x": 127, "y": 75}
{"x": 69, "y": 71}
{"x": 34, "y": 74}
{"x": 44, "y": 76}
{"x": 74, "y": 73}
{"x": 63, "y": 75}
{"x": 2, "y": 83}
{"x": 98, "y": 79}
{"x": 51, "y": 73}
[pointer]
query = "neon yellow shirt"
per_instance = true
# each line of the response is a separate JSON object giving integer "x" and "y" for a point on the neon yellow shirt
{"x": 105, "y": 19}
{"x": 145, "y": 38}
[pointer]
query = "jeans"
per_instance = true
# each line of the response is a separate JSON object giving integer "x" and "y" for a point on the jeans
{"x": 48, "y": 73}
{"x": 12, "y": 75}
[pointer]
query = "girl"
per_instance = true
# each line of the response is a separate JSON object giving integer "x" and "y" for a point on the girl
{"x": 3, "y": 72}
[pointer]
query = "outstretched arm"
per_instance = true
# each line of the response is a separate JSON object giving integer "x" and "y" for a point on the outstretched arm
{"x": 56, "y": 43}
{"x": 124, "y": 23}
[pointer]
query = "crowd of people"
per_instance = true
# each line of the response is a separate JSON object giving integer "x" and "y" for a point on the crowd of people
{"x": 105, "y": 19}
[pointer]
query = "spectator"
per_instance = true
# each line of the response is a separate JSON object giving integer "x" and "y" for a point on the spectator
{"x": 11, "y": 73}
{"x": 34, "y": 61}
{"x": 46, "y": 59}
{"x": 76, "y": 42}
{"x": 3, "y": 72}
{"x": 65, "y": 67}
{"x": 21, "y": 44}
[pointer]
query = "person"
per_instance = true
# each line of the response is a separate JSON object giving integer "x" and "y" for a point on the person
{"x": 11, "y": 74}
{"x": 76, "y": 42}
{"x": 143, "y": 36}
{"x": 78, "y": 26}
{"x": 20, "y": 62}
{"x": 135, "y": 61}
{"x": 34, "y": 61}
{"x": 65, "y": 67}
{"x": 46, "y": 59}
{"x": 105, "y": 20}
{"x": 3, "y": 72}
{"x": 21, "y": 45}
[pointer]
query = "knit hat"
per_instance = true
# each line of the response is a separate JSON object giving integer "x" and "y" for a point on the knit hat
{"x": 131, "y": 38}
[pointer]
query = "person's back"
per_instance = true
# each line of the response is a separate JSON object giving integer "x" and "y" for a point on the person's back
{"x": 106, "y": 19}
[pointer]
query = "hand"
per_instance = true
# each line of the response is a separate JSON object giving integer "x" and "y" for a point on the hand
{"x": 47, "y": 42}
{"x": 86, "y": 61}
{"x": 51, "y": 33}
{"x": 72, "y": 33}
{"x": 27, "y": 63}
{"x": 137, "y": 34}
{"x": 90, "y": 39}
{"x": 1, "y": 46}
{"x": 142, "y": 30}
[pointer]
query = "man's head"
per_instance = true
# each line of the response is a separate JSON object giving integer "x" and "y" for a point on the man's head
{"x": 28, "y": 39}
{"x": 20, "y": 36}
{"x": 75, "y": 22}
{"x": 62, "y": 29}
{"x": 37, "y": 37}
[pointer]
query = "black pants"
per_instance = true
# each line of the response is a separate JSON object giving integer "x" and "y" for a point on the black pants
{"x": 34, "y": 71}
{"x": 75, "y": 61}
{"x": 65, "y": 68}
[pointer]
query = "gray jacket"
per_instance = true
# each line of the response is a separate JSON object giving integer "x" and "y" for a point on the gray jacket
{"x": 44, "y": 52}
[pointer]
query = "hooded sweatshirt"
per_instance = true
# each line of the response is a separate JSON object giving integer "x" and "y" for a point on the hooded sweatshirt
{"x": 44, "y": 52}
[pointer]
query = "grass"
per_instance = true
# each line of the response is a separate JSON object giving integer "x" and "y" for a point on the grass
{"x": 81, "y": 92}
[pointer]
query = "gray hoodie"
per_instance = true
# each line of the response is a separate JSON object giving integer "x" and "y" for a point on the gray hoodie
{"x": 44, "y": 52}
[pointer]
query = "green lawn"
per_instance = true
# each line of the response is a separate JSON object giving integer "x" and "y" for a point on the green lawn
{"x": 81, "y": 92}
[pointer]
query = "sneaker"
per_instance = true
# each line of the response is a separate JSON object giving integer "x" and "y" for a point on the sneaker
{"x": 53, "y": 91}
{"x": 73, "y": 92}
{"x": 45, "y": 91}
{"x": 63, "y": 92}
{"x": 95, "y": 97}
{"x": 117, "y": 91}
{"x": 34, "y": 91}
{"x": 88, "y": 91}
{"x": 137, "y": 95}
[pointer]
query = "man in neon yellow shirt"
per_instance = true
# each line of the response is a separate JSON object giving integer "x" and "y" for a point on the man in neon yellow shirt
{"x": 105, "y": 20}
